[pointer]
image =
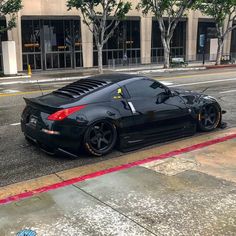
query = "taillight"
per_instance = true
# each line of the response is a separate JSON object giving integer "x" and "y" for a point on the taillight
{"x": 62, "y": 114}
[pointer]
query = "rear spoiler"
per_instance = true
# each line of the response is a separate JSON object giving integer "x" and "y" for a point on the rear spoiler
{"x": 35, "y": 103}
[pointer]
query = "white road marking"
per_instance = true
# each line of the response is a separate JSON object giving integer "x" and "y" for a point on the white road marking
{"x": 204, "y": 82}
{"x": 10, "y": 91}
{"x": 15, "y": 124}
{"x": 229, "y": 91}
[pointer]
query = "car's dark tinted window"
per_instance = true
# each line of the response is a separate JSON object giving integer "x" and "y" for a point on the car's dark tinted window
{"x": 144, "y": 88}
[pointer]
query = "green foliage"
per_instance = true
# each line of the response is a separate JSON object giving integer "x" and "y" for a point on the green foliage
{"x": 168, "y": 13}
{"x": 220, "y": 10}
{"x": 161, "y": 8}
{"x": 96, "y": 14}
{"x": 95, "y": 9}
{"x": 9, "y": 8}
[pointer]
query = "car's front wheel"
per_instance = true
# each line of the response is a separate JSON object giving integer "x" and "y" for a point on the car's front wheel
{"x": 210, "y": 117}
{"x": 100, "y": 138}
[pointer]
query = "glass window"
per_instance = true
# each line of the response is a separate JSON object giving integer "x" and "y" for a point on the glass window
{"x": 177, "y": 43}
{"x": 54, "y": 43}
{"x": 31, "y": 36}
{"x": 145, "y": 88}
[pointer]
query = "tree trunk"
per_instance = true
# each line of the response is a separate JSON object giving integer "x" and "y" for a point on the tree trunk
{"x": 166, "y": 46}
{"x": 219, "y": 51}
{"x": 100, "y": 62}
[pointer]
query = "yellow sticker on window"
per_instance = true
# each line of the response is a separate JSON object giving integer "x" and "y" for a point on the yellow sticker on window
{"x": 119, "y": 91}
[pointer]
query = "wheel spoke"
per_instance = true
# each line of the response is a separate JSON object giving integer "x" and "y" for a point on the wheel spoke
{"x": 210, "y": 121}
{"x": 105, "y": 141}
{"x": 102, "y": 127}
{"x": 95, "y": 130}
{"x": 94, "y": 140}
{"x": 99, "y": 143}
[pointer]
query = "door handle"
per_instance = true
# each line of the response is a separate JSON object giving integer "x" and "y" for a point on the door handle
{"x": 132, "y": 107}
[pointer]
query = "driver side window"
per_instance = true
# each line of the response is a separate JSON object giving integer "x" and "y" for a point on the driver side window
{"x": 145, "y": 88}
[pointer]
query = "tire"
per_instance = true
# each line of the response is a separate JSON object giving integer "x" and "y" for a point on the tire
{"x": 209, "y": 117}
{"x": 100, "y": 138}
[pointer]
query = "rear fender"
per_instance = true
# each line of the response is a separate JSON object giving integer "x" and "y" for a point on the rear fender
{"x": 98, "y": 112}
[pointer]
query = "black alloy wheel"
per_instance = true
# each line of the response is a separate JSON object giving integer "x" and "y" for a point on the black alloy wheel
{"x": 209, "y": 117}
{"x": 100, "y": 138}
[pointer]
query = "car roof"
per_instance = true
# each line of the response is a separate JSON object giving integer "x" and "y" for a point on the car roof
{"x": 114, "y": 77}
{"x": 91, "y": 84}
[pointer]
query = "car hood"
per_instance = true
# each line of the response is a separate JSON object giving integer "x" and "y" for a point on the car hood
{"x": 191, "y": 97}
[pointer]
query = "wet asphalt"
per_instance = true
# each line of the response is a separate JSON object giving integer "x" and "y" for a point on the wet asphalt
{"x": 20, "y": 161}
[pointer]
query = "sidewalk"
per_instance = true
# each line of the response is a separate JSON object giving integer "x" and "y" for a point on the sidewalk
{"x": 192, "y": 192}
{"x": 63, "y": 75}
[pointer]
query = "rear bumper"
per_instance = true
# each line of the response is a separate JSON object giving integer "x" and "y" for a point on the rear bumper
{"x": 53, "y": 144}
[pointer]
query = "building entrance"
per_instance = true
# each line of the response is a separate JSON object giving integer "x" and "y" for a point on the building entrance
{"x": 51, "y": 43}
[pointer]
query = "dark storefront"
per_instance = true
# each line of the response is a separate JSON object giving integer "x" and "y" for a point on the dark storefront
{"x": 125, "y": 41}
{"x": 51, "y": 43}
{"x": 206, "y": 31}
{"x": 3, "y": 37}
{"x": 233, "y": 45}
{"x": 178, "y": 42}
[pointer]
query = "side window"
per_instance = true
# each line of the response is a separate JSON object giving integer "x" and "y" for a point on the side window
{"x": 145, "y": 88}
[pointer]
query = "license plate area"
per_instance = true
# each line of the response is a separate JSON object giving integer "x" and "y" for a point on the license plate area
{"x": 33, "y": 121}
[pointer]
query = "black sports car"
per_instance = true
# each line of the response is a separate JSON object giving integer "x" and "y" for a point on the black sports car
{"x": 110, "y": 110}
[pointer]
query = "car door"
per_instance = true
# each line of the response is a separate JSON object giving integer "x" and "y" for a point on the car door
{"x": 156, "y": 113}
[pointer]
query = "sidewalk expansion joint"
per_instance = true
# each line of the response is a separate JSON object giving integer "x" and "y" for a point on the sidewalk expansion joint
{"x": 107, "y": 205}
{"x": 112, "y": 208}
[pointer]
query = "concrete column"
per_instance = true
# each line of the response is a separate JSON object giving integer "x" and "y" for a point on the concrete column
{"x": 146, "y": 39}
{"x": 87, "y": 45}
{"x": 15, "y": 35}
{"x": 191, "y": 37}
{"x": 9, "y": 58}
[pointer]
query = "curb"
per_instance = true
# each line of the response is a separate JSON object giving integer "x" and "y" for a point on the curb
{"x": 15, "y": 77}
{"x": 171, "y": 70}
{"x": 32, "y": 81}
{"x": 95, "y": 174}
{"x": 161, "y": 70}
{"x": 220, "y": 66}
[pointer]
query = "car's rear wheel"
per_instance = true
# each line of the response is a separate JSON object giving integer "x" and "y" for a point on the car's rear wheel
{"x": 100, "y": 138}
{"x": 210, "y": 117}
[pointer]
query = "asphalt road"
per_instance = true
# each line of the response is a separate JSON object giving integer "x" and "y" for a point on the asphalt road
{"x": 20, "y": 161}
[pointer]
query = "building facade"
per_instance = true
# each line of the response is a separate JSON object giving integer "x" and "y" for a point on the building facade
{"x": 50, "y": 37}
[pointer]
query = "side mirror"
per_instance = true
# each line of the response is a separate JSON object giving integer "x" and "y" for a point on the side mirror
{"x": 162, "y": 97}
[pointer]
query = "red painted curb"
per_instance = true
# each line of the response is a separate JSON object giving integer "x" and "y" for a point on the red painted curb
{"x": 220, "y": 66}
{"x": 115, "y": 169}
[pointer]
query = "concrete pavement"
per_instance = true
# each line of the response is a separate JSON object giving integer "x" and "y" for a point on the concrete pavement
{"x": 180, "y": 190}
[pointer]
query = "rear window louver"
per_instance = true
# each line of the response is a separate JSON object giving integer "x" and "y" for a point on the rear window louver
{"x": 81, "y": 87}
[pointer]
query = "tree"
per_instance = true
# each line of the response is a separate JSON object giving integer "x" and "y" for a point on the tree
{"x": 9, "y": 8}
{"x": 96, "y": 14}
{"x": 172, "y": 11}
{"x": 224, "y": 13}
